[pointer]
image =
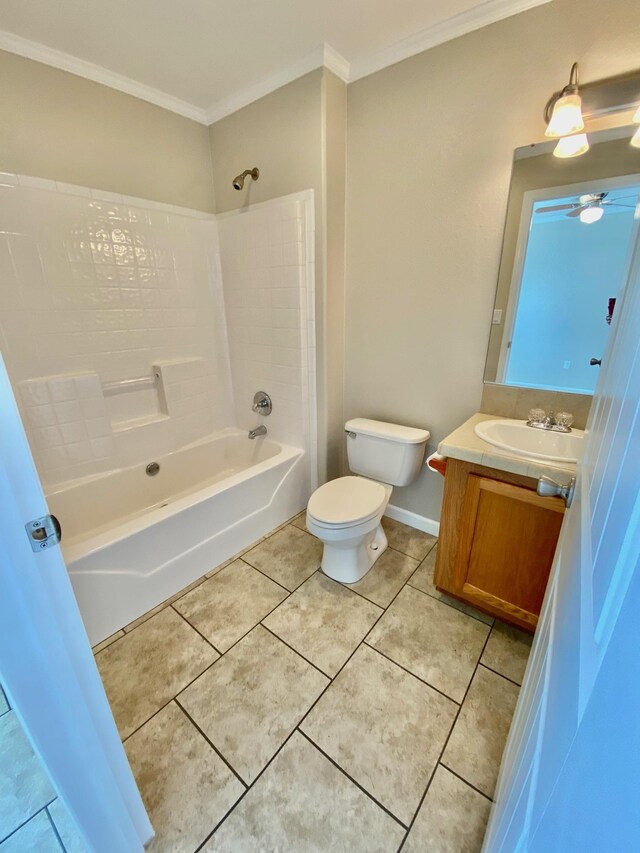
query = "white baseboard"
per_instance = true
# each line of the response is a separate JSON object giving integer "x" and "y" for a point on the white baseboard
{"x": 420, "y": 522}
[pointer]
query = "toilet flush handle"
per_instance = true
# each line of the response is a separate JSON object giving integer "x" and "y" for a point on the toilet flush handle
{"x": 351, "y": 434}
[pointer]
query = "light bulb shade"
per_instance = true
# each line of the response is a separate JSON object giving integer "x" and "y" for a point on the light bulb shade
{"x": 566, "y": 117}
{"x": 591, "y": 214}
{"x": 571, "y": 146}
{"x": 635, "y": 139}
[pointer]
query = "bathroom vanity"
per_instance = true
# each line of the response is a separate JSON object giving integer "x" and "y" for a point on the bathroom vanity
{"x": 497, "y": 535}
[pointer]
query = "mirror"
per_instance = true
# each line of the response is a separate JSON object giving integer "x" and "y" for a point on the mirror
{"x": 568, "y": 235}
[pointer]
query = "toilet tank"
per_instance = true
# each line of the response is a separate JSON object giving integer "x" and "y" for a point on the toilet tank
{"x": 386, "y": 452}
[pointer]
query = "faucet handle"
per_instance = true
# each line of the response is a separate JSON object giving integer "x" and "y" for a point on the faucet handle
{"x": 564, "y": 419}
{"x": 536, "y": 416}
{"x": 262, "y": 403}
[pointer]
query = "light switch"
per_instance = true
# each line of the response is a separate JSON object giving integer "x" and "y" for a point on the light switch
{"x": 497, "y": 316}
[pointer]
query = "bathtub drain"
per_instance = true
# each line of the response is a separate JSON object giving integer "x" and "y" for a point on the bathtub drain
{"x": 152, "y": 469}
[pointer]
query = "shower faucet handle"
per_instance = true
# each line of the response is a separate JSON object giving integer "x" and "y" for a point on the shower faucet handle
{"x": 262, "y": 403}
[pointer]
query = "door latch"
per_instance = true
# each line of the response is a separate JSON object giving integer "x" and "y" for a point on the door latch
{"x": 44, "y": 532}
{"x": 548, "y": 488}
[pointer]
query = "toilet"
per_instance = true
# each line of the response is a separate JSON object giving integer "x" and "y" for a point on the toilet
{"x": 345, "y": 514}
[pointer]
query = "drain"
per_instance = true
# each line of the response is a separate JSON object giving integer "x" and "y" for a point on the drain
{"x": 152, "y": 469}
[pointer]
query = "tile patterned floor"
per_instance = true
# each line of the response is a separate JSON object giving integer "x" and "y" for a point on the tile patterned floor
{"x": 31, "y": 818}
{"x": 270, "y": 708}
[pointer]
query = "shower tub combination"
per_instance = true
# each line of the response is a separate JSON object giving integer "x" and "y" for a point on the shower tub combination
{"x": 206, "y": 311}
{"x": 131, "y": 540}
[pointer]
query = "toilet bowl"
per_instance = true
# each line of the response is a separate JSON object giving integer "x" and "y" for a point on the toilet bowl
{"x": 345, "y": 514}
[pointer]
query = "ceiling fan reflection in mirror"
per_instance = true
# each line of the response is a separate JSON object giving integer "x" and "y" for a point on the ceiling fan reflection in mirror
{"x": 589, "y": 207}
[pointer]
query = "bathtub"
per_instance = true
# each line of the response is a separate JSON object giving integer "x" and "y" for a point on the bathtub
{"x": 131, "y": 540}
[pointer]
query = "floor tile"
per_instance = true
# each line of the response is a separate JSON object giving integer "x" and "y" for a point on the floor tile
{"x": 302, "y": 802}
{"x": 324, "y": 621}
{"x": 24, "y": 785}
{"x": 229, "y": 604}
{"x": 290, "y": 556}
{"x": 414, "y": 543}
{"x": 476, "y": 744}
{"x": 66, "y": 828}
{"x": 452, "y": 819}
{"x": 143, "y": 670}
{"x": 186, "y": 787}
{"x": 103, "y": 645}
{"x": 36, "y": 836}
{"x": 507, "y": 651}
{"x": 301, "y": 521}
{"x": 384, "y": 727}
{"x": 433, "y": 641}
{"x": 422, "y": 579}
{"x": 252, "y": 699}
{"x": 388, "y": 575}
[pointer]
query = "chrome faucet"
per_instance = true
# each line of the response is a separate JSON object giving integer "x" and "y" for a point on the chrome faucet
{"x": 539, "y": 419}
{"x": 261, "y": 430}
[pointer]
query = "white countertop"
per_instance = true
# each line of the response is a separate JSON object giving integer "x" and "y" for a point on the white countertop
{"x": 465, "y": 445}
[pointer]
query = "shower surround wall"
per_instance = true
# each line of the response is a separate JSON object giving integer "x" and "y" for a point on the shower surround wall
{"x": 97, "y": 289}
{"x": 268, "y": 270}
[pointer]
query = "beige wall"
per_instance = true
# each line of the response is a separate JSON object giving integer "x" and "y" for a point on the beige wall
{"x": 56, "y": 125}
{"x": 281, "y": 134}
{"x": 430, "y": 146}
{"x": 293, "y": 136}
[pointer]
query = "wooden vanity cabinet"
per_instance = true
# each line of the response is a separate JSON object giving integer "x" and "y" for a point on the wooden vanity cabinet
{"x": 497, "y": 541}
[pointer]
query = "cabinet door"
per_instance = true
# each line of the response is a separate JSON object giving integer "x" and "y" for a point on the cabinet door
{"x": 507, "y": 541}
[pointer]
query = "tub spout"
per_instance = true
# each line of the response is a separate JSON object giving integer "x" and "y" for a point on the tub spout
{"x": 261, "y": 430}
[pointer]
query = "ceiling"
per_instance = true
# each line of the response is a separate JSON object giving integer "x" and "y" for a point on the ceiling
{"x": 207, "y": 58}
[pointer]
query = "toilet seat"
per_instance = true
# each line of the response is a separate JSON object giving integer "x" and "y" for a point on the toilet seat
{"x": 346, "y": 502}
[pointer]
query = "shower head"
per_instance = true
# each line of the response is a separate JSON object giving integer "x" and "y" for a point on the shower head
{"x": 238, "y": 181}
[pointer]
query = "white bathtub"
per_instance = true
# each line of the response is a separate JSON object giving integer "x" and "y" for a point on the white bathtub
{"x": 130, "y": 540}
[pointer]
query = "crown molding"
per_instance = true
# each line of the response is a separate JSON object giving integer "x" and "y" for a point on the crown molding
{"x": 81, "y": 68}
{"x": 336, "y": 63}
{"x": 451, "y": 28}
{"x": 324, "y": 56}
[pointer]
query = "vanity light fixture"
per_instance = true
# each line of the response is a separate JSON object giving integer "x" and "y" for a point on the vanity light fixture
{"x": 572, "y": 146}
{"x": 565, "y": 122}
{"x": 564, "y": 110}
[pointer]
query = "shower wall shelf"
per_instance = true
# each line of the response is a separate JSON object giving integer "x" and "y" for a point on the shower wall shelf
{"x": 137, "y": 384}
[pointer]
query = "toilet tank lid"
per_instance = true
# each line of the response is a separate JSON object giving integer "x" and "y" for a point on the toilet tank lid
{"x": 391, "y": 432}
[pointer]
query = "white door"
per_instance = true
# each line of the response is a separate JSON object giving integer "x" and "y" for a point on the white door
{"x": 569, "y": 777}
{"x": 46, "y": 664}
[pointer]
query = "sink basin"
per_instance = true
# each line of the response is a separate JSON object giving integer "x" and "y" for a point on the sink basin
{"x": 521, "y": 440}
